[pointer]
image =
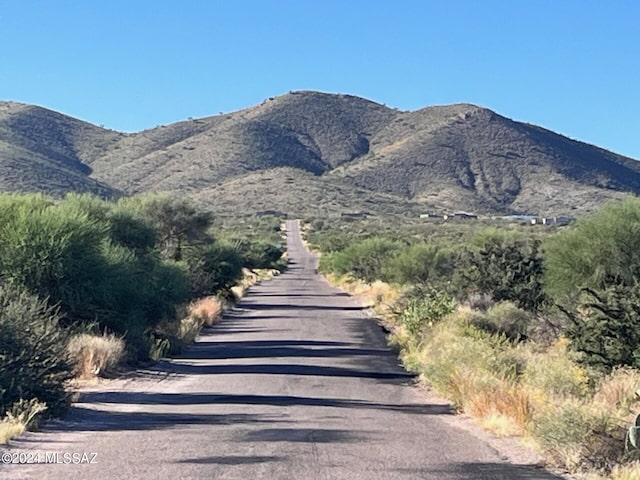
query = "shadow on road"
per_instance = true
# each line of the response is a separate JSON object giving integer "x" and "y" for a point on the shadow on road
{"x": 474, "y": 471}
{"x": 152, "y": 398}
{"x": 233, "y": 460}
{"x": 284, "y": 369}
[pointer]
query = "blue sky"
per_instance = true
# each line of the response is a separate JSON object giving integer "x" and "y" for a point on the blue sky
{"x": 572, "y": 66}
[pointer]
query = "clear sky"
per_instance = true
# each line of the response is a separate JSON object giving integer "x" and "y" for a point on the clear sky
{"x": 572, "y": 66}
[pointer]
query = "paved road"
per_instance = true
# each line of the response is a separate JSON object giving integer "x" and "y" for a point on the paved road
{"x": 296, "y": 383}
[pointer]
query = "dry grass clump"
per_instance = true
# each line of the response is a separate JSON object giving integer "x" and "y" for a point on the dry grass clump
{"x": 22, "y": 415}
{"x": 577, "y": 436}
{"x": 552, "y": 373}
{"x": 93, "y": 355}
{"x": 206, "y": 311}
{"x": 630, "y": 471}
{"x": 378, "y": 295}
{"x": 251, "y": 277}
{"x": 619, "y": 390}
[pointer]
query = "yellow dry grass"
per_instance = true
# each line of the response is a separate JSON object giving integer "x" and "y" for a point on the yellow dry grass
{"x": 93, "y": 355}
{"x": 626, "y": 472}
{"x": 10, "y": 429}
{"x": 619, "y": 390}
{"x": 206, "y": 311}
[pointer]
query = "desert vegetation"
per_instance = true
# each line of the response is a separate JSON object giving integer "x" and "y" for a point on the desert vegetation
{"x": 87, "y": 285}
{"x": 533, "y": 332}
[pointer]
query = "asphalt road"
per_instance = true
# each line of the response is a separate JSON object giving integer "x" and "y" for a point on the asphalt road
{"x": 295, "y": 383}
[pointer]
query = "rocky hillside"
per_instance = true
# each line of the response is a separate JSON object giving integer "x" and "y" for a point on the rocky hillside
{"x": 310, "y": 152}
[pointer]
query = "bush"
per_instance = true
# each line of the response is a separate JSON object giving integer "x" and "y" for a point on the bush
{"x": 93, "y": 355}
{"x": 606, "y": 327}
{"x": 598, "y": 252}
{"x": 212, "y": 268}
{"x": 506, "y": 319}
{"x": 33, "y": 361}
{"x": 592, "y": 271}
{"x": 556, "y": 374}
{"x": 425, "y": 307}
{"x": 363, "y": 260}
{"x": 258, "y": 254}
{"x": 53, "y": 252}
{"x": 420, "y": 263}
{"x": 176, "y": 222}
{"x": 506, "y": 267}
{"x": 576, "y": 436}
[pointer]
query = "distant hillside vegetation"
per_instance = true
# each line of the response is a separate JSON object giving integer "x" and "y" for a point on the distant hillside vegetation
{"x": 308, "y": 152}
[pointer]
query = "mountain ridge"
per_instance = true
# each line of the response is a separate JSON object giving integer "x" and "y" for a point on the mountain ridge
{"x": 445, "y": 157}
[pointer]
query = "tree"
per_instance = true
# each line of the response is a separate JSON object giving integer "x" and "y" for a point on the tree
{"x": 506, "y": 267}
{"x": 593, "y": 272}
{"x": 176, "y": 221}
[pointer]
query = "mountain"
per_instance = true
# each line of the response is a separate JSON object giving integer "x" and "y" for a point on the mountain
{"x": 310, "y": 152}
{"x": 44, "y": 151}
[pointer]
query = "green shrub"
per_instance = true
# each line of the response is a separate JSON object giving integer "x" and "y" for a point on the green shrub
{"x": 606, "y": 326}
{"x": 259, "y": 254}
{"x": 419, "y": 263}
{"x": 53, "y": 252}
{"x": 425, "y": 307}
{"x": 212, "y": 268}
{"x": 506, "y": 267}
{"x": 592, "y": 271}
{"x": 364, "y": 260}
{"x": 599, "y": 251}
{"x": 177, "y": 222}
{"x": 33, "y": 361}
{"x": 575, "y": 436}
{"x": 507, "y": 319}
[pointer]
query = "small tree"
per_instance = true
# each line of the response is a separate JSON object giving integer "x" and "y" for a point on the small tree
{"x": 592, "y": 271}
{"x": 506, "y": 267}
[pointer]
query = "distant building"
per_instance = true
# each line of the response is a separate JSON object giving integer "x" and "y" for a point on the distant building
{"x": 430, "y": 215}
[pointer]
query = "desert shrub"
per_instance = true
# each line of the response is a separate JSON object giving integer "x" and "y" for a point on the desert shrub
{"x": 605, "y": 327}
{"x": 54, "y": 253}
{"x": 504, "y": 266}
{"x": 212, "y": 268}
{"x": 556, "y": 374}
{"x": 618, "y": 390}
{"x": 363, "y": 260}
{"x": 600, "y": 251}
{"x": 93, "y": 355}
{"x": 461, "y": 361}
{"x": 576, "y": 436}
{"x": 130, "y": 231}
{"x": 480, "y": 301}
{"x": 258, "y": 254}
{"x": 328, "y": 241}
{"x": 592, "y": 272}
{"x": 425, "y": 307}
{"x": 206, "y": 310}
{"x": 507, "y": 319}
{"x": 177, "y": 222}
{"x": 419, "y": 263}
{"x": 33, "y": 363}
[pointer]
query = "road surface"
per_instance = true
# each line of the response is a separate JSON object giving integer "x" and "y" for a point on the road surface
{"x": 295, "y": 383}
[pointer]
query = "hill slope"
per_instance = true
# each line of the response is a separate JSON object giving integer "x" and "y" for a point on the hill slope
{"x": 305, "y": 151}
{"x": 41, "y": 150}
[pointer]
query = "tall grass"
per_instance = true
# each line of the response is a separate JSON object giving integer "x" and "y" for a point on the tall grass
{"x": 94, "y": 355}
